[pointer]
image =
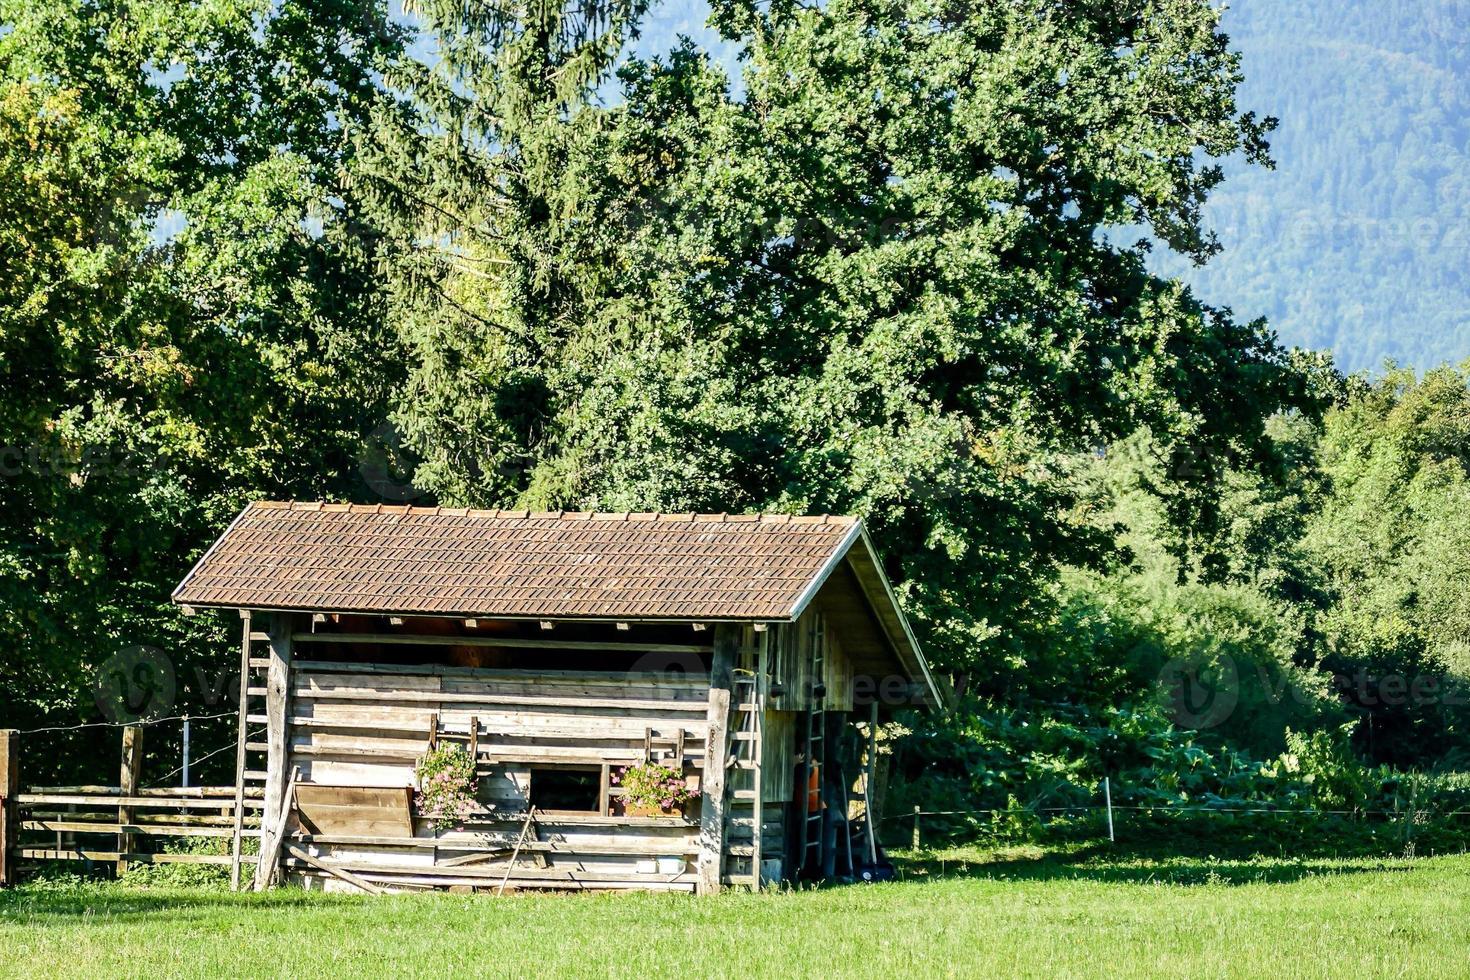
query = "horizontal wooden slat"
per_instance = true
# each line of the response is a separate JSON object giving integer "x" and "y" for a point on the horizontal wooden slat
{"x": 415, "y": 879}
{"x": 171, "y": 791}
{"x": 151, "y": 829}
{"x": 634, "y": 846}
{"x": 493, "y": 754}
{"x": 544, "y": 819}
{"x": 506, "y": 642}
{"x": 143, "y": 819}
{"x": 591, "y": 729}
{"x": 373, "y": 871}
{"x": 48, "y": 854}
{"x": 616, "y": 678}
{"x": 461, "y": 697}
{"x": 77, "y": 799}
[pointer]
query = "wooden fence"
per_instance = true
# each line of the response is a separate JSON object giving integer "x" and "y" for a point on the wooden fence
{"x": 116, "y": 825}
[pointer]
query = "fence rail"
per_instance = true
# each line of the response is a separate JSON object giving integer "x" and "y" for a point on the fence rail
{"x": 117, "y": 825}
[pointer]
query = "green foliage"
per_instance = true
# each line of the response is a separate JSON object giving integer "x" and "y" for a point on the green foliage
{"x": 189, "y": 315}
{"x": 183, "y": 875}
{"x": 881, "y": 272}
{"x": 873, "y": 278}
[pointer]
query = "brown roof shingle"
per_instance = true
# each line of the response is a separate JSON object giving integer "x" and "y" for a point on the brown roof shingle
{"x": 458, "y": 562}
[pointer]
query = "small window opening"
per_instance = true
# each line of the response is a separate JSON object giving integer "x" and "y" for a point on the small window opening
{"x": 574, "y": 790}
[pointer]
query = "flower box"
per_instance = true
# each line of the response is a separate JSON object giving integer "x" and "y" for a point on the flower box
{"x": 635, "y": 810}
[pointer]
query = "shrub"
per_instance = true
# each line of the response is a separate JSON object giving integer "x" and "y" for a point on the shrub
{"x": 653, "y": 786}
{"x": 446, "y": 786}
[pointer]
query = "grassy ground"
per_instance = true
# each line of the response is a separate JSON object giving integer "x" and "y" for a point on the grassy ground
{"x": 958, "y": 913}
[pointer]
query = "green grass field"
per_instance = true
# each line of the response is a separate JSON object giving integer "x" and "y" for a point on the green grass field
{"x": 955, "y": 914}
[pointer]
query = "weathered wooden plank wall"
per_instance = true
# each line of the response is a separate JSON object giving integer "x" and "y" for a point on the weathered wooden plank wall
{"x": 366, "y": 725}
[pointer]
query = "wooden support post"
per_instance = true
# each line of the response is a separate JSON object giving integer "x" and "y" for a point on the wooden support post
{"x": 127, "y": 781}
{"x": 240, "y": 740}
{"x": 869, "y": 817}
{"x": 712, "y": 783}
{"x": 9, "y": 805}
{"x": 278, "y": 745}
{"x": 269, "y": 865}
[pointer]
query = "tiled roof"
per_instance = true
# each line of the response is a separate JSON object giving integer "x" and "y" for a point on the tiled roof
{"x": 443, "y": 561}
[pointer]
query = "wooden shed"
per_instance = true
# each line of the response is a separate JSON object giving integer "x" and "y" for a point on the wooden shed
{"x": 558, "y": 648}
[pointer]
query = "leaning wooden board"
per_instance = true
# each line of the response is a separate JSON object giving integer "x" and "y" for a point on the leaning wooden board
{"x": 355, "y": 810}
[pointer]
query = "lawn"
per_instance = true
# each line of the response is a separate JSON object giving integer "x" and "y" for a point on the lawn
{"x": 961, "y": 913}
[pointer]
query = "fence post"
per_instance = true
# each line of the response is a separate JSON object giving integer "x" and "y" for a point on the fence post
{"x": 132, "y": 768}
{"x": 916, "y": 827}
{"x": 1108, "y": 798}
{"x": 186, "y": 750}
{"x": 9, "y": 805}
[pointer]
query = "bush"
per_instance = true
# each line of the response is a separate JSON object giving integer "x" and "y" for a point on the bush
{"x": 1012, "y": 776}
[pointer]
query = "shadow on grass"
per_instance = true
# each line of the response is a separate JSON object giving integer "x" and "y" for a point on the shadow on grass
{"x": 38, "y": 904}
{"x": 1120, "y": 863}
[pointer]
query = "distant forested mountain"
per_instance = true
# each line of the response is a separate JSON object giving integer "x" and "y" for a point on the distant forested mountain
{"x": 1360, "y": 239}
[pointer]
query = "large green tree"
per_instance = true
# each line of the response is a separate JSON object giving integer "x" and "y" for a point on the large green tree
{"x": 190, "y": 312}
{"x": 896, "y": 271}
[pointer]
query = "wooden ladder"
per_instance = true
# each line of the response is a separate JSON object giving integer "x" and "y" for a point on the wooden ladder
{"x": 747, "y": 747}
{"x": 251, "y": 712}
{"x": 815, "y": 756}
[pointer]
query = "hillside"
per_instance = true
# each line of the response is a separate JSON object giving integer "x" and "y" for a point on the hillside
{"x": 1360, "y": 240}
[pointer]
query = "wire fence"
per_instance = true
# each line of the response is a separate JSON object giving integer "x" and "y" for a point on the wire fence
{"x": 124, "y": 724}
{"x": 1413, "y": 814}
{"x": 1168, "y": 808}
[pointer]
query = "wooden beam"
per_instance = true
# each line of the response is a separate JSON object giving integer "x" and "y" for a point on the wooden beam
{"x": 712, "y": 785}
{"x": 140, "y": 799}
{"x": 9, "y": 804}
{"x": 869, "y": 817}
{"x": 145, "y": 828}
{"x": 508, "y": 642}
{"x": 132, "y": 768}
{"x": 333, "y": 870}
{"x": 619, "y": 678}
{"x": 240, "y": 742}
{"x": 58, "y": 854}
{"x": 460, "y": 697}
{"x": 278, "y": 739}
{"x": 269, "y": 865}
